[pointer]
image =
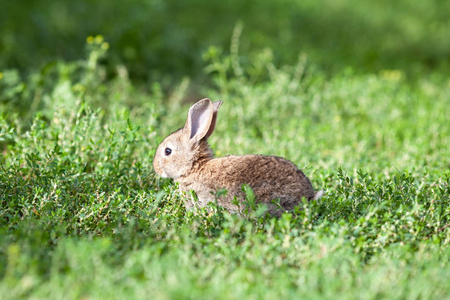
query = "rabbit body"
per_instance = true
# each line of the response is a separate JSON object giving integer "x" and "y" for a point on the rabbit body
{"x": 186, "y": 157}
{"x": 270, "y": 177}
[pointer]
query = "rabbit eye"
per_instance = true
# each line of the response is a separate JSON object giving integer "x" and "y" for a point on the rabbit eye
{"x": 167, "y": 151}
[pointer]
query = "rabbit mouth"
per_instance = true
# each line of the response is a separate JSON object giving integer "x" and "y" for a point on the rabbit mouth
{"x": 162, "y": 173}
{"x": 158, "y": 170}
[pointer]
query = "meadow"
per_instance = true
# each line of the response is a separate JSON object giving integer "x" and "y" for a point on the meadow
{"x": 359, "y": 100}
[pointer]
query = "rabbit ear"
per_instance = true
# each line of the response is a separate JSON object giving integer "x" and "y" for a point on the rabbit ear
{"x": 199, "y": 119}
{"x": 212, "y": 126}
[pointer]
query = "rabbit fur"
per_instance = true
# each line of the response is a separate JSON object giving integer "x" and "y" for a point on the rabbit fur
{"x": 186, "y": 157}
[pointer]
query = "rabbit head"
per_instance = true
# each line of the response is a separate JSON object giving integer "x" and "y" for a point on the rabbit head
{"x": 185, "y": 148}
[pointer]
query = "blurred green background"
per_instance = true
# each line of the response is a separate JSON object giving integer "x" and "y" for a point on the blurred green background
{"x": 163, "y": 40}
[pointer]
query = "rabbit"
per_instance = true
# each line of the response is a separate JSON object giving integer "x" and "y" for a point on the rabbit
{"x": 186, "y": 157}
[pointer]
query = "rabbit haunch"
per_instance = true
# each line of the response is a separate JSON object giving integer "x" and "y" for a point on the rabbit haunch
{"x": 186, "y": 157}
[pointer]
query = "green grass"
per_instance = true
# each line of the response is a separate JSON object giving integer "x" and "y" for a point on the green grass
{"x": 83, "y": 215}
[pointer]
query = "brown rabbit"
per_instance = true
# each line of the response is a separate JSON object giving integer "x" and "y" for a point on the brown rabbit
{"x": 186, "y": 157}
